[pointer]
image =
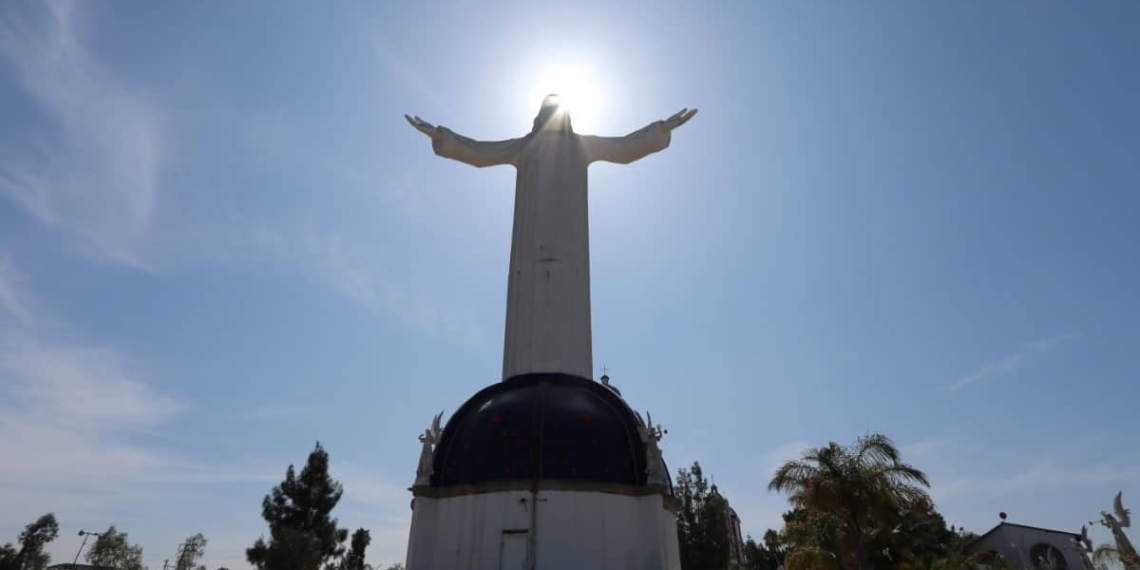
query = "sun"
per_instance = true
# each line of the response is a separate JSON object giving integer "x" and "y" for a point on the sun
{"x": 576, "y": 87}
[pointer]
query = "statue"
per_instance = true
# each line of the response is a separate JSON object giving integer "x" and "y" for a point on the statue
{"x": 1083, "y": 546}
{"x": 1123, "y": 519}
{"x": 654, "y": 463}
{"x": 428, "y": 438}
{"x": 548, "y": 287}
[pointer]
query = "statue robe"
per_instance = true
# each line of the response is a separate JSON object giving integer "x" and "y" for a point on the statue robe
{"x": 548, "y": 288}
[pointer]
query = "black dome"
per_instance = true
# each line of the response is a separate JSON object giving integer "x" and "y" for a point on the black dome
{"x": 546, "y": 426}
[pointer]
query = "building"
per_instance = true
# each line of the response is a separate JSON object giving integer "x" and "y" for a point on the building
{"x": 1025, "y": 546}
{"x": 545, "y": 463}
{"x": 547, "y": 469}
{"x": 736, "y": 555}
{"x": 735, "y": 537}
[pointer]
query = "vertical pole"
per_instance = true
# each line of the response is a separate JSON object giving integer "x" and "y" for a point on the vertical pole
{"x": 81, "y": 545}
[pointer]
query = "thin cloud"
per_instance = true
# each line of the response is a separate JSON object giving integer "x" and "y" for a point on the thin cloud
{"x": 272, "y": 412}
{"x": 13, "y": 300}
{"x": 65, "y": 406}
{"x": 407, "y": 74}
{"x": 327, "y": 259}
{"x": 922, "y": 448}
{"x": 782, "y": 454}
{"x": 1013, "y": 361}
{"x": 1051, "y": 476}
{"x": 71, "y": 413}
{"x": 373, "y": 501}
{"x": 94, "y": 174}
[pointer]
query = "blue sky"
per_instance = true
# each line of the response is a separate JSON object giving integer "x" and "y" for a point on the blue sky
{"x": 220, "y": 242}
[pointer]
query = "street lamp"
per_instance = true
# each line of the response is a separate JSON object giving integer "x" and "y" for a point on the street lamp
{"x": 84, "y": 534}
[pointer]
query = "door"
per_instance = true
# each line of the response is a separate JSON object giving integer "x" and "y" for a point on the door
{"x": 512, "y": 550}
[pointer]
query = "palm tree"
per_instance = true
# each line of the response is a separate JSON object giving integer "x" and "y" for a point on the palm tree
{"x": 1107, "y": 554}
{"x": 852, "y": 484}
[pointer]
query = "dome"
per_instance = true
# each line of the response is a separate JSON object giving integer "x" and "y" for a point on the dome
{"x": 543, "y": 426}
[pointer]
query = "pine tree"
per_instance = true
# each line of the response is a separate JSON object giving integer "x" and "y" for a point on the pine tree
{"x": 702, "y": 522}
{"x": 113, "y": 550}
{"x": 192, "y": 550}
{"x": 302, "y": 534}
{"x": 354, "y": 558}
{"x": 31, "y": 555}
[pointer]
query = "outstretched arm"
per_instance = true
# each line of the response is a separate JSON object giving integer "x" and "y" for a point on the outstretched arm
{"x": 455, "y": 146}
{"x": 654, "y": 137}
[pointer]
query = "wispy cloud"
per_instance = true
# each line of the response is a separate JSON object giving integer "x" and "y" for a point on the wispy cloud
{"x": 94, "y": 173}
{"x": 94, "y": 388}
{"x": 13, "y": 300}
{"x": 406, "y": 73}
{"x": 782, "y": 454}
{"x": 380, "y": 505}
{"x": 1013, "y": 361}
{"x": 326, "y": 258}
{"x": 1051, "y": 476}
{"x": 922, "y": 448}
{"x": 272, "y": 411}
{"x": 66, "y": 407}
{"x": 76, "y": 417}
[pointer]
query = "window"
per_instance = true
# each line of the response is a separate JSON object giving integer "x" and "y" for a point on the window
{"x": 1047, "y": 557}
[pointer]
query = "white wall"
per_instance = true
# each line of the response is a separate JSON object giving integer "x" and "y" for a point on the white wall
{"x": 575, "y": 529}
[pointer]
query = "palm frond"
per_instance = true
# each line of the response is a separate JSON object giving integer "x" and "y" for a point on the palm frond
{"x": 876, "y": 447}
{"x": 792, "y": 475}
{"x": 1106, "y": 554}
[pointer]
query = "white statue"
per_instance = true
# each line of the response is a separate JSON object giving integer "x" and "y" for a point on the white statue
{"x": 428, "y": 438}
{"x": 654, "y": 463}
{"x": 548, "y": 288}
{"x": 1123, "y": 519}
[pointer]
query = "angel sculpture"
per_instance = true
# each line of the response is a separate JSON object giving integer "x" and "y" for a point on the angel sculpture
{"x": 654, "y": 463}
{"x": 1084, "y": 542}
{"x": 428, "y": 438}
{"x": 1123, "y": 519}
{"x": 1083, "y": 546}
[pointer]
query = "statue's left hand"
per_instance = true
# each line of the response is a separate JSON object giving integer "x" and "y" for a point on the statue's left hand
{"x": 425, "y": 127}
{"x": 680, "y": 118}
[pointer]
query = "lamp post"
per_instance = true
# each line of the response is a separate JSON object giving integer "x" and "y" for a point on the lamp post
{"x": 84, "y": 534}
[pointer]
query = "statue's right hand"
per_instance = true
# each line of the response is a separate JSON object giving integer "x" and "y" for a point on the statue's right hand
{"x": 424, "y": 127}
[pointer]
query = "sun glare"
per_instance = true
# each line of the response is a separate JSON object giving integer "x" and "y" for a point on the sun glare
{"x": 576, "y": 88}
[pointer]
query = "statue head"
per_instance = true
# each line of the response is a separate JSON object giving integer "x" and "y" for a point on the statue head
{"x": 552, "y": 115}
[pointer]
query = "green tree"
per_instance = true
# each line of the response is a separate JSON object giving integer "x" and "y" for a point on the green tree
{"x": 1109, "y": 555}
{"x": 31, "y": 555}
{"x": 191, "y": 552}
{"x": 816, "y": 541}
{"x": 702, "y": 522}
{"x": 9, "y": 557}
{"x": 302, "y": 534}
{"x": 774, "y": 547}
{"x": 846, "y": 492}
{"x": 757, "y": 556}
{"x": 354, "y": 558}
{"x": 113, "y": 550}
